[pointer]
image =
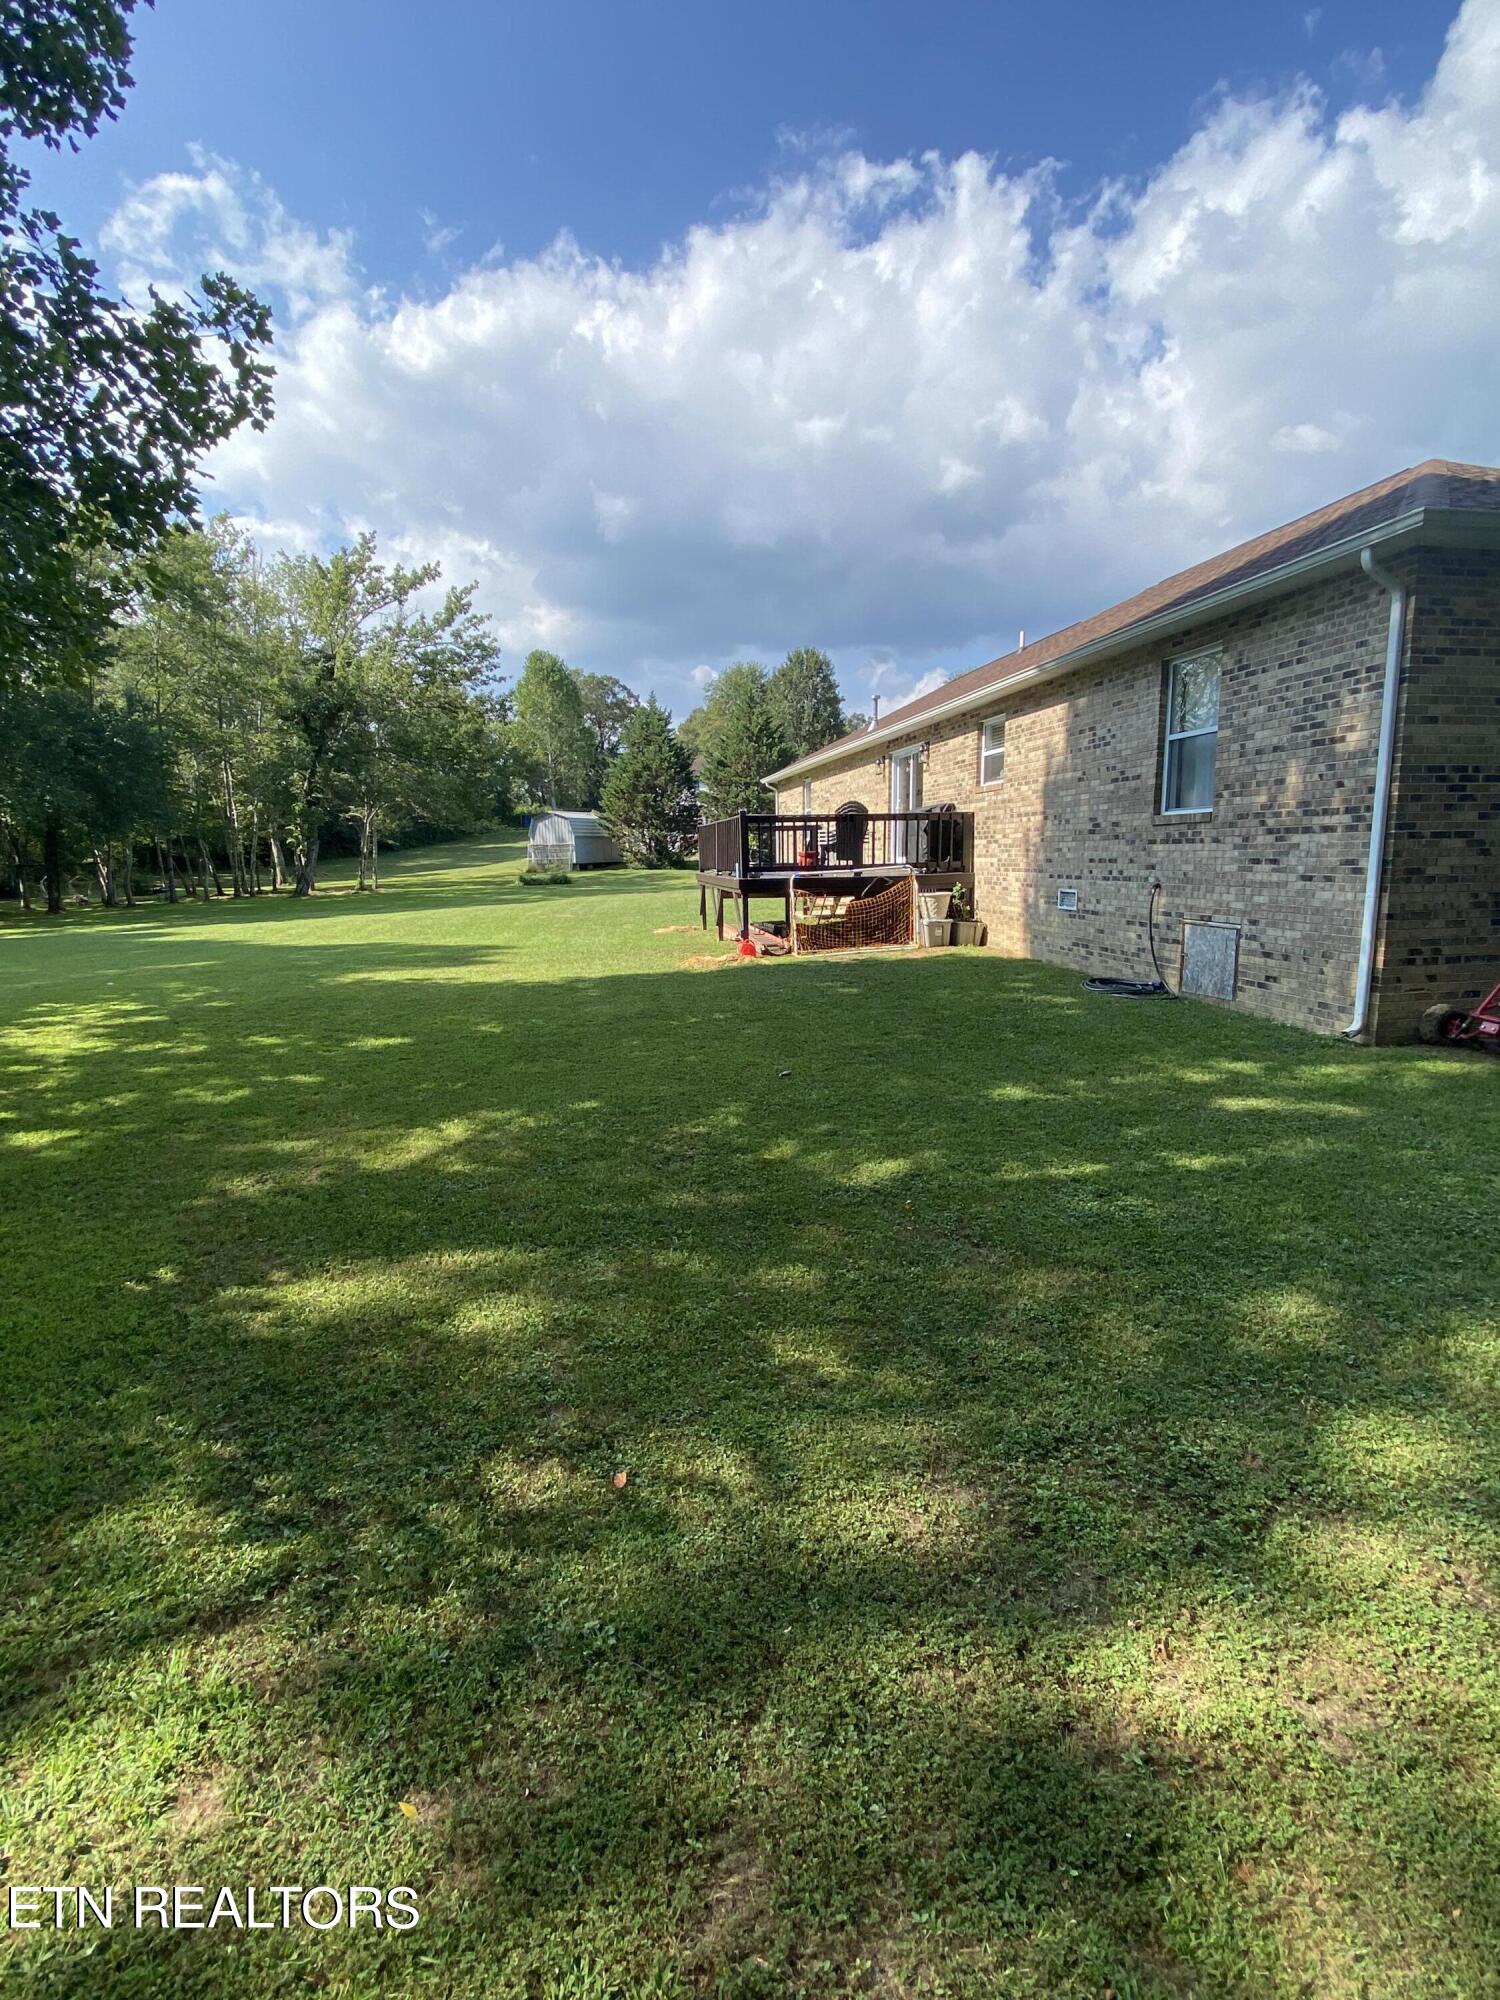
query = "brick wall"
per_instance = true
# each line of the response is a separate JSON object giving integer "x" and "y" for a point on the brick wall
{"x": 1283, "y": 852}
{"x": 1441, "y": 934}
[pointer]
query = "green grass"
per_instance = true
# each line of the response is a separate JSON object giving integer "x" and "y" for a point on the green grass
{"x": 1059, "y": 1553}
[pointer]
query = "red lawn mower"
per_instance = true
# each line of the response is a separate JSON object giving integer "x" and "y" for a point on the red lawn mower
{"x": 1481, "y": 1026}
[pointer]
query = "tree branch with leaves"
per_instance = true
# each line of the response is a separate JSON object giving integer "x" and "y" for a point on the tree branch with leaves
{"x": 106, "y": 408}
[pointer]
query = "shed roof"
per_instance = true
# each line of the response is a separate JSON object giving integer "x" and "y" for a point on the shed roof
{"x": 1437, "y": 486}
{"x": 581, "y": 822}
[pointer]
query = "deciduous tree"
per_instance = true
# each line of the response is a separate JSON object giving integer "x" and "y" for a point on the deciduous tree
{"x": 105, "y": 408}
{"x": 607, "y": 708}
{"x": 803, "y": 695}
{"x": 79, "y": 771}
{"x": 551, "y": 732}
{"x": 195, "y": 653}
{"x": 422, "y": 736}
{"x": 342, "y": 615}
{"x": 238, "y": 706}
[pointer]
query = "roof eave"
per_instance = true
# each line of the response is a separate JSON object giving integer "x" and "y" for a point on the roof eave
{"x": 1457, "y": 524}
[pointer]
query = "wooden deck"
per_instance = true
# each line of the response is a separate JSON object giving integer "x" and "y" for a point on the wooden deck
{"x": 771, "y": 857}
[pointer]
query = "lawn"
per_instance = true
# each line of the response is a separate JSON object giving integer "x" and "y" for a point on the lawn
{"x": 1058, "y": 1545}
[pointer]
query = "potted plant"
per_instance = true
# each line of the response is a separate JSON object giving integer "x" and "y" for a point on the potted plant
{"x": 966, "y": 928}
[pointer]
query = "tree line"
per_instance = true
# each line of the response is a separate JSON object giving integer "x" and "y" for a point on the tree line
{"x": 586, "y": 740}
{"x": 660, "y": 782}
{"x": 237, "y": 712}
{"x": 572, "y": 726}
{"x": 240, "y": 713}
{"x": 754, "y": 721}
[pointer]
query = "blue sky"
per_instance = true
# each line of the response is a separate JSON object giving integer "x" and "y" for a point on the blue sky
{"x": 834, "y": 358}
{"x": 625, "y": 124}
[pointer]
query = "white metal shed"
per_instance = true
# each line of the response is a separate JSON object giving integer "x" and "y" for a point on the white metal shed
{"x": 570, "y": 840}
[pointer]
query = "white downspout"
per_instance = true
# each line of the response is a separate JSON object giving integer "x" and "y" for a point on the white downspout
{"x": 1380, "y": 806}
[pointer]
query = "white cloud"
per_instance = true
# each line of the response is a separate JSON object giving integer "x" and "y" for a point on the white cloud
{"x": 896, "y": 408}
{"x": 178, "y": 224}
{"x": 614, "y": 513}
{"x": 1366, "y": 66}
{"x": 892, "y": 682}
{"x": 954, "y": 474}
{"x": 437, "y": 236}
{"x": 1304, "y": 438}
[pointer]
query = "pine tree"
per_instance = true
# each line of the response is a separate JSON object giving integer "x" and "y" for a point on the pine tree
{"x": 690, "y": 731}
{"x": 741, "y": 742}
{"x": 648, "y": 801}
{"x": 804, "y": 701}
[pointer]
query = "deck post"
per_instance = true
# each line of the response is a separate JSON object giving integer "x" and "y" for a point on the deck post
{"x": 744, "y": 873}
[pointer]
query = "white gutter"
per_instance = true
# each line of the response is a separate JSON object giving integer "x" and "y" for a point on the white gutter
{"x": 1175, "y": 618}
{"x": 1380, "y": 806}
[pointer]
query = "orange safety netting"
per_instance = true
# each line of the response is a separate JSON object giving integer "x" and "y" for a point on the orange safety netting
{"x": 844, "y": 923}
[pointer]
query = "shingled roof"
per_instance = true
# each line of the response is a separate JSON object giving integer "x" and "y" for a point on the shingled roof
{"x": 1437, "y": 484}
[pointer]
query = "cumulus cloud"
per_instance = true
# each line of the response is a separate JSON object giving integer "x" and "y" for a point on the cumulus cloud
{"x": 216, "y": 216}
{"x": 895, "y": 408}
{"x": 892, "y": 682}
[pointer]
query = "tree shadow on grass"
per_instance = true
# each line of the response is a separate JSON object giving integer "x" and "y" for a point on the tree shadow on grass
{"x": 1056, "y": 1542}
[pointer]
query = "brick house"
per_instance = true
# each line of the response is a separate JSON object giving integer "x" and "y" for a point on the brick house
{"x": 1235, "y": 733}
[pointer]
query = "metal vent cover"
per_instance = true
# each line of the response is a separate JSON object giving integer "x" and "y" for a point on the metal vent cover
{"x": 1067, "y": 899}
{"x": 1210, "y": 960}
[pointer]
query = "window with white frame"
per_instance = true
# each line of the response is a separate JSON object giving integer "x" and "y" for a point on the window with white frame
{"x": 1192, "y": 734}
{"x": 807, "y": 795}
{"x": 992, "y": 751}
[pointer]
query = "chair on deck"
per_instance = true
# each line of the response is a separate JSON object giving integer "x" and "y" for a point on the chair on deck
{"x": 850, "y": 821}
{"x": 944, "y": 837}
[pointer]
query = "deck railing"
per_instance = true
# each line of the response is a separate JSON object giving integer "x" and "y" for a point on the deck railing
{"x": 751, "y": 843}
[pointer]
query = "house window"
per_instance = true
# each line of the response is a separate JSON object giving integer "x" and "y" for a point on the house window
{"x": 1187, "y": 770}
{"x": 807, "y": 795}
{"x": 992, "y": 751}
